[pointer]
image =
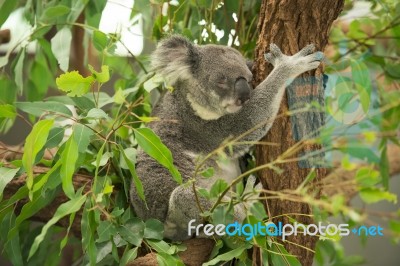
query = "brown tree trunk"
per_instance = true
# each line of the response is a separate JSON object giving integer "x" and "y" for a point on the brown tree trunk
{"x": 292, "y": 24}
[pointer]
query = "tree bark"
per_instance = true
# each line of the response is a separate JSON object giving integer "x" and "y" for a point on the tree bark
{"x": 292, "y": 24}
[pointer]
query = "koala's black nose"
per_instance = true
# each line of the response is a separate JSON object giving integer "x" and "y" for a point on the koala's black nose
{"x": 242, "y": 91}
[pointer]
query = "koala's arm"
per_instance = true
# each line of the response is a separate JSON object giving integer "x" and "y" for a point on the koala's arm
{"x": 258, "y": 114}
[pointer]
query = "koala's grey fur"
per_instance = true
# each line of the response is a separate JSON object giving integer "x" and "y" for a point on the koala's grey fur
{"x": 211, "y": 102}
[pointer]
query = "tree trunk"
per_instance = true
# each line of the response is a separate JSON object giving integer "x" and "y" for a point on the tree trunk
{"x": 292, "y": 24}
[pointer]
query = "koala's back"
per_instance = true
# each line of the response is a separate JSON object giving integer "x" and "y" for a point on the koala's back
{"x": 159, "y": 185}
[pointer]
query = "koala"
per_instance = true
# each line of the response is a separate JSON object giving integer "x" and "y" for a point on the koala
{"x": 212, "y": 101}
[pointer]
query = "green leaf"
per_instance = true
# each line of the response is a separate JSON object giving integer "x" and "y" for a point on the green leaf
{"x": 218, "y": 245}
{"x": 131, "y": 155}
{"x": 362, "y": 152}
{"x": 82, "y": 136}
{"x": 104, "y": 159}
{"x": 6, "y": 174}
{"x": 394, "y": 226}
{"x": 153, "y": 146}
{"x": 33, "y": 144}
{"x": 6, "y": 9}
{"x": 159, "y": 245}
{"x": 136, "y": 181}
{"x": 61, "y": 46}
{"x": 106, "y": 231}
{"x": 83, "y": 103}
{"x": 39, "y": 108}
{"x": 164, "y": 259}
{"x": 103, "y": 249}
{"x": 218, "y": 187}
{"x": 223, "y": 214}
{"x": 96, "y": 113}
{"x": 132, "y": 231}
{"x": 68, "y": 160}
{"x": 42, "y": 181}
{"x": 7, "y": 96}
{"x": 257, "y": 210}
{"x": 366, "y": 176}
{"x": 361, "y": 78}
{"x": 128, "y": 256}
{"x": 384, "y": 167}
{"x": 102, "y": 76}
{"x": 283, "y": 257}
{"x": 37, "y": 203}
{"x": 7, "y": 111}
{"x": 19, "y": 71}
{"x": 55, "y": 12}
{"x": 100, "y": 40}
{"x": 77, "y": 7}
{"x": 74, "y": 83}
{"x": 88, "y": 228}
{"x": 119, "y": 97}
{"x": 154, "y": 229}
{"x": 227, "y": 256}
{"x": 209, "y": 172}
{"x": 63, "y": 210}
{"x": 153, "y": 83}
{"x": 64, "y": 241}
{"x": 56, "y": 135}
{"x": 13, "y": 246}
{"x": 93, "y": 12}
{"x": 372, "y": 195}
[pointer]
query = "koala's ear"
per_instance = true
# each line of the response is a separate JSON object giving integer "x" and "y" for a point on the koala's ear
{"x": 175, "y": 58}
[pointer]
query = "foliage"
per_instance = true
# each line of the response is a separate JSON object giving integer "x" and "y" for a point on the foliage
{"x": 86, "y": 129}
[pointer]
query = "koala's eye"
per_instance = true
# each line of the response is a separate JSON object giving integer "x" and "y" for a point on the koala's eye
{"x": 222, "y": 81}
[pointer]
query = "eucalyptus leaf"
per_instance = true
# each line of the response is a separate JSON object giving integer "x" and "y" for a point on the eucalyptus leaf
{"x": 63, "y": 210}
{"x": 39, "y": 108}
{"x": 68, "y": 160}
{"x": 128, "y": 256}
{"x": 55, "y": 137}
{"x": 82, "y": 136}
{"x": 153, "y": 146}
{"x": 226, "y": 256}
{"x": 154, "y": 229}
{"x": 96, "y": 113}
{"x": 6, "y": 174}
{"x": 7, "y": 111}
{"x": 55, "y": 12}
{"x": 33, "y": 144}
{"x": 61, "y": 46}
{"x": 136, "y": 181}
{"x": 18, "y": 71}
{"x": 13, "y": 246}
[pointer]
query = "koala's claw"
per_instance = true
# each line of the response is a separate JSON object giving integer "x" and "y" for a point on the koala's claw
{"x": 319, "y": 56}
{"x": 269, "y": 57}
{"x": 309, "y": 49}
{"x": 274, "y": 55}
{"x": 275, "y": 51}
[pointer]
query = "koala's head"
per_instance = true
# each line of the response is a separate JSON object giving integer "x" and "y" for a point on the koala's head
{"x": 215, "y": 79}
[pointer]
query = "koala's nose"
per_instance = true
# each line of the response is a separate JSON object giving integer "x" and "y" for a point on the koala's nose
{"x": 242, "y": 90}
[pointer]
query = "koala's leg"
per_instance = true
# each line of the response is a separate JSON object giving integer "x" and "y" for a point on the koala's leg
{"x": 183, "y": 208}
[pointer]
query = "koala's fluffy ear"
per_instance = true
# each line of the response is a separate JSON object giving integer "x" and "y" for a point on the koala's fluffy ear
{"x": 175, "y": 58}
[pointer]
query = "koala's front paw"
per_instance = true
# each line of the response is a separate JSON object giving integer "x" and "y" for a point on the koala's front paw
{"x": 306, "y": 59}
{"x": 303, "y": 61}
